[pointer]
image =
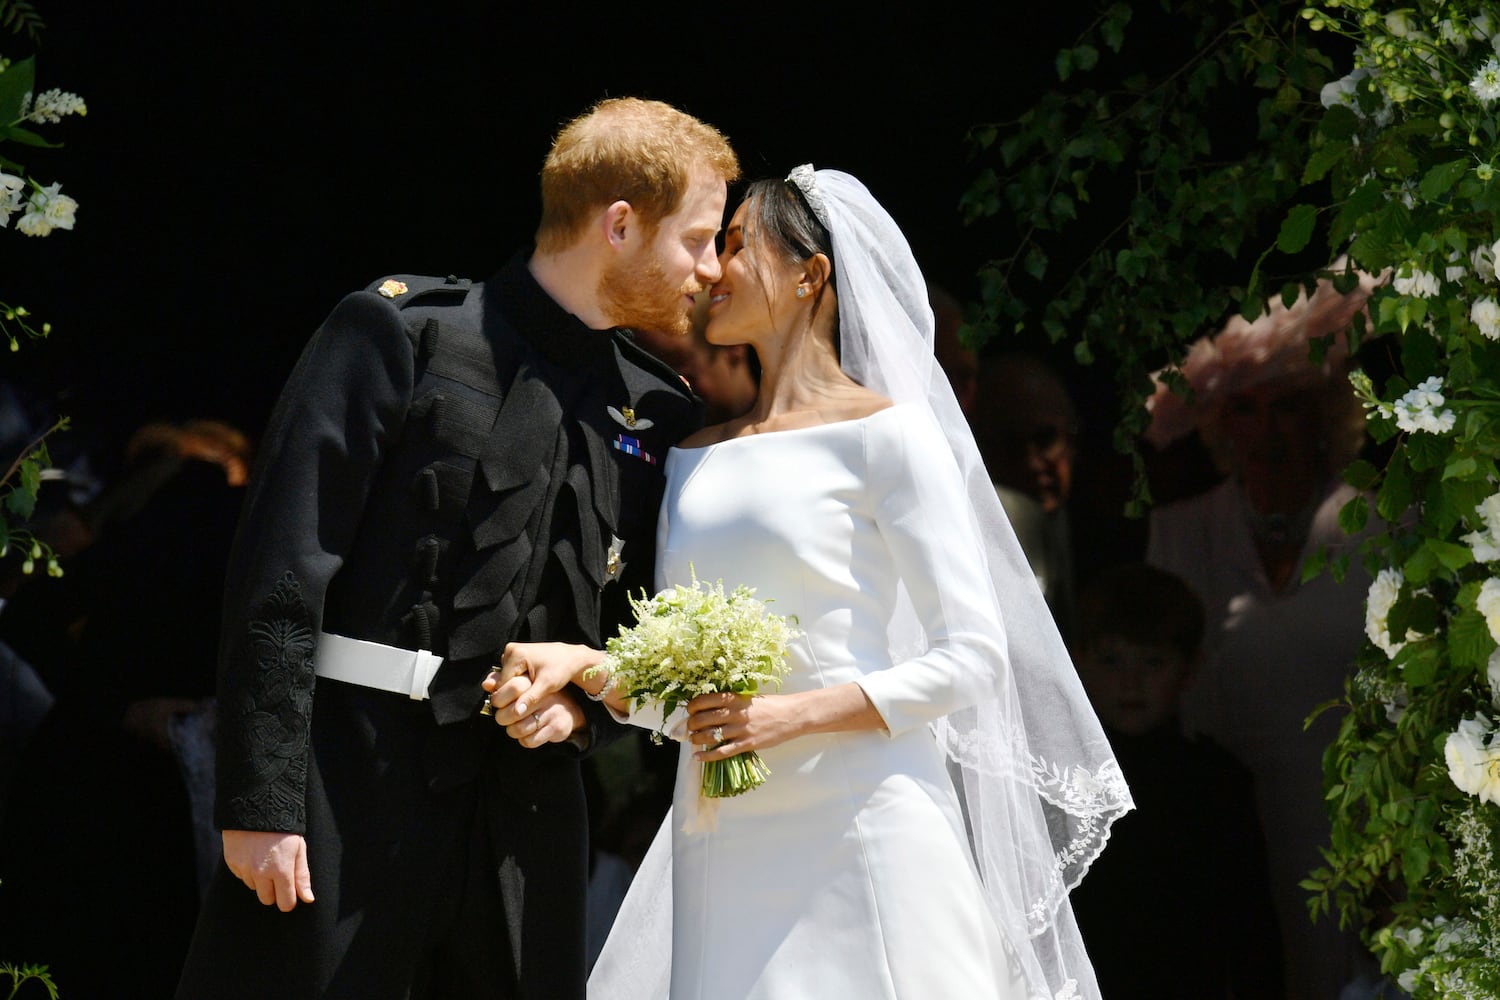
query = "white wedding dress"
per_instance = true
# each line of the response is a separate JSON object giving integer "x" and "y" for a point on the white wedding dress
{"x": 848, "y": 874}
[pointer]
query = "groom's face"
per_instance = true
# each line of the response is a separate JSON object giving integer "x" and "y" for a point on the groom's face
{"x": 654, "y": 288}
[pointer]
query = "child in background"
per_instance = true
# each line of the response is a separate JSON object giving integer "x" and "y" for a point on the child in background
{"x": 1179, "y": 906}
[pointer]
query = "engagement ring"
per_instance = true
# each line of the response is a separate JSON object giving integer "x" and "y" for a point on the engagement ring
{"x": 718, "y": 734}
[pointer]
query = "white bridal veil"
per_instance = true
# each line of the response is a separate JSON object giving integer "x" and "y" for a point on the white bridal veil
{"x": 1038, "y": 782}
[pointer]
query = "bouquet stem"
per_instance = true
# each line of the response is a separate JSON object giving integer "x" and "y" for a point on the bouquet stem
{"x": 734, "y": 776}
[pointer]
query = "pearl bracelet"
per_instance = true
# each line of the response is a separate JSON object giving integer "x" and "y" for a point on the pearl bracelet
{"x": 609, "y": 685}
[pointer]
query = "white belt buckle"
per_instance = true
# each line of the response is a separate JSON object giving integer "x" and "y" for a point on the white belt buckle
{"x": 424, "y": 668}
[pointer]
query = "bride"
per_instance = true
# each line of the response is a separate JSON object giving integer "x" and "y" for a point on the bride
{"x": 938, "y": 781}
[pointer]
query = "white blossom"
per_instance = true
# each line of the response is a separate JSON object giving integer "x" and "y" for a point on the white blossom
{"x": 1474, "y": 760}
{"x": 1455, "y": 270}
{"x": 1486, "y": 315}
{"x": 1397, "y": 23}
{"x": 1384, "y": 590}
{"x": 47, "y": 210}
{"x": 10, "y": 196}
{"x": 1486, "y": 541}
{"x": 1483, "y": 259}
{"x": 1451, "y": 34}
{"x": 1421, "y": 409}
{"x": 54, "y": 105}
{"x": 1422, "y": 284}
{"x": 1488, "y": 604}
{"x": 1344, "y": 91}
{"x": 1486, "y": 83}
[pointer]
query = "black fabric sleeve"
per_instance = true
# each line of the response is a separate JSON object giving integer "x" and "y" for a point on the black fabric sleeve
{"x": 345, "y": 401}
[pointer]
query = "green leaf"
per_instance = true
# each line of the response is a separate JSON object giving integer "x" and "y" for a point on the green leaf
{"x": 20, "y": 503}
{"x": 15, "y": 83}
{"x": 1396, "y": 493}
{"x": 1323, "y": 160}
{"x": 1452, "y": 556}
{"x": 1085, "y": 57}
{"x": 25, "y": 137}
{"x": 1036, "y": 263}
{"x": 1469, "y": 640}
{"x": 1354, "y": 515}
{"x": 1296, "y": 230}
{"x": 1113, "y": 28}
{"x": 1361, "y": 474}
{"x": 1442, "y": 177}
{"x": 1064, "y": 64}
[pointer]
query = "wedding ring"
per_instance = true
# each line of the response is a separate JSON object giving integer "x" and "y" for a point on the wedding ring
{"x": 536, "y": 721}
{"x": 718, "y": 734}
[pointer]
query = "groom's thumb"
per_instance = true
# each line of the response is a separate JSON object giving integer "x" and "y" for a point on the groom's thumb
{"x": 304, "y": 876}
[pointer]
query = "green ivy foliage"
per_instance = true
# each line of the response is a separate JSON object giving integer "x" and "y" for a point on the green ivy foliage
{"x": 1376, "y": 135}
{"x": 1135, "y": 196}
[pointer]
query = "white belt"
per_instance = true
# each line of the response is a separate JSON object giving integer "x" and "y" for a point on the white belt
{"x": 375, "y": 665}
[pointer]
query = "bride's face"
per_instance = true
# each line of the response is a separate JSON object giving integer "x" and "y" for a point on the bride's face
{"x": 756, "y": 294}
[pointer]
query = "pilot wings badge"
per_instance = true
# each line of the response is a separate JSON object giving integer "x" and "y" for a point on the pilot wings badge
{"x": 625, "y": 417}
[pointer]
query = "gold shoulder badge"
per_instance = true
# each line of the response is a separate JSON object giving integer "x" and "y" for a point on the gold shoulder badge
{"x": 391, "y": 288}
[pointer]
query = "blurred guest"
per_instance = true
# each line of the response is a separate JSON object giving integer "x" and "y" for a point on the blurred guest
{"x": 1281, "y": 428}
{"x": 1025, "y": 425}
{"x": 958, "y": 362}
{"x": 1179, "y": 906}
{"x": 139, "y": 657}
{"x": 724, "y": 377}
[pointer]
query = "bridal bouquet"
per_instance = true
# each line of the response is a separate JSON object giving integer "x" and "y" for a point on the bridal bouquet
{"x": 697, "y": 640}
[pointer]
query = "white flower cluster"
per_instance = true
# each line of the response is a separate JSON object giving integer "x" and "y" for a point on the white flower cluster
{"x": 47, "y": 208}
{"x": 1446, "y": 947}
{"x": 1486, "y": 541}
{"x": 1384, "y": 590}
{"x": 690, "y": 641}
{"x": 52, "y": 106}
{"x": 1486, "y": 83}
{"x": 1473, "y": 757}
{"x": 1422, "y": 284}
{"x": 1486, "y": 315}
{"x": 1483, "y": 259}
{"x": 1421, "y": 409}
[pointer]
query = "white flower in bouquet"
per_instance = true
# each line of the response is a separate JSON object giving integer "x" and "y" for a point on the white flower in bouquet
{"x": 1488, "y": 604}
{"x": 47, "y": 210}
{"x": 52, "y": 106}
{"x": 1455, "y": 271}
{"x": 11, "y": 187}
{"x": 1486, "y": 83}
{"x": 1486, "y": 315}
{"x": 689, "y": 641}
{"x": 1474, "y": 760}
{"x": 1421, "y": 409}
{"x": 1344, "y": 91}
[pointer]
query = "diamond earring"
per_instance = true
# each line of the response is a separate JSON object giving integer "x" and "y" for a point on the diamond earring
{"x": 801, "y": 292}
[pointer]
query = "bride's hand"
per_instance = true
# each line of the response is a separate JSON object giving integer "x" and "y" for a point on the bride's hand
{"x": 722, "y": 725}
{"x": 530, "y": 673}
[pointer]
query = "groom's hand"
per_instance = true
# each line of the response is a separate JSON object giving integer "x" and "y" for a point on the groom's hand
{"x": 527, "y": 691}
{"x": 531, "y": 671}
{"x": 274, "y": 865}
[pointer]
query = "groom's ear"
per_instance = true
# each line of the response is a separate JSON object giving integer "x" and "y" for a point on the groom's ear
{"x": 620, "y": 224}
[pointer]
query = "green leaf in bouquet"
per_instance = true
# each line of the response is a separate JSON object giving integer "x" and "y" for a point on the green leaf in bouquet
{"x": 1297, "y": 228}
{"x": 15, "y": 83}
{"x": 1441, "y": 178}
{"x": 26, "y": 137}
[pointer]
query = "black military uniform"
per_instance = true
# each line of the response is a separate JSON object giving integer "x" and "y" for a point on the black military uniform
{"x": 450, "y": 467}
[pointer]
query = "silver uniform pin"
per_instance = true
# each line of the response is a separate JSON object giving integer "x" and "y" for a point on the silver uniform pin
{"x": 613, "y": 564}
{"x": 625, "y": 417}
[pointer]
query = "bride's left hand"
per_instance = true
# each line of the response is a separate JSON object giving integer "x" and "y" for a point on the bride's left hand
{"x": 723, "y": 724}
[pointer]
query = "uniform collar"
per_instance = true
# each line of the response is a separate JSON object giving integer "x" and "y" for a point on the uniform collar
{"x": 557, "y": 334}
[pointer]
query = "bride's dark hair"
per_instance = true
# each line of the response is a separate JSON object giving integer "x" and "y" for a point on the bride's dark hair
{"x": 779, "y": 215}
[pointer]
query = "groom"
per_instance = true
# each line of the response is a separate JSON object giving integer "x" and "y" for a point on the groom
{"x": 451, "y": 466}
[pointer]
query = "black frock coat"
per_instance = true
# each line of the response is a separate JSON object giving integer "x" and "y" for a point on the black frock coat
{"x": 450, "y": 467}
